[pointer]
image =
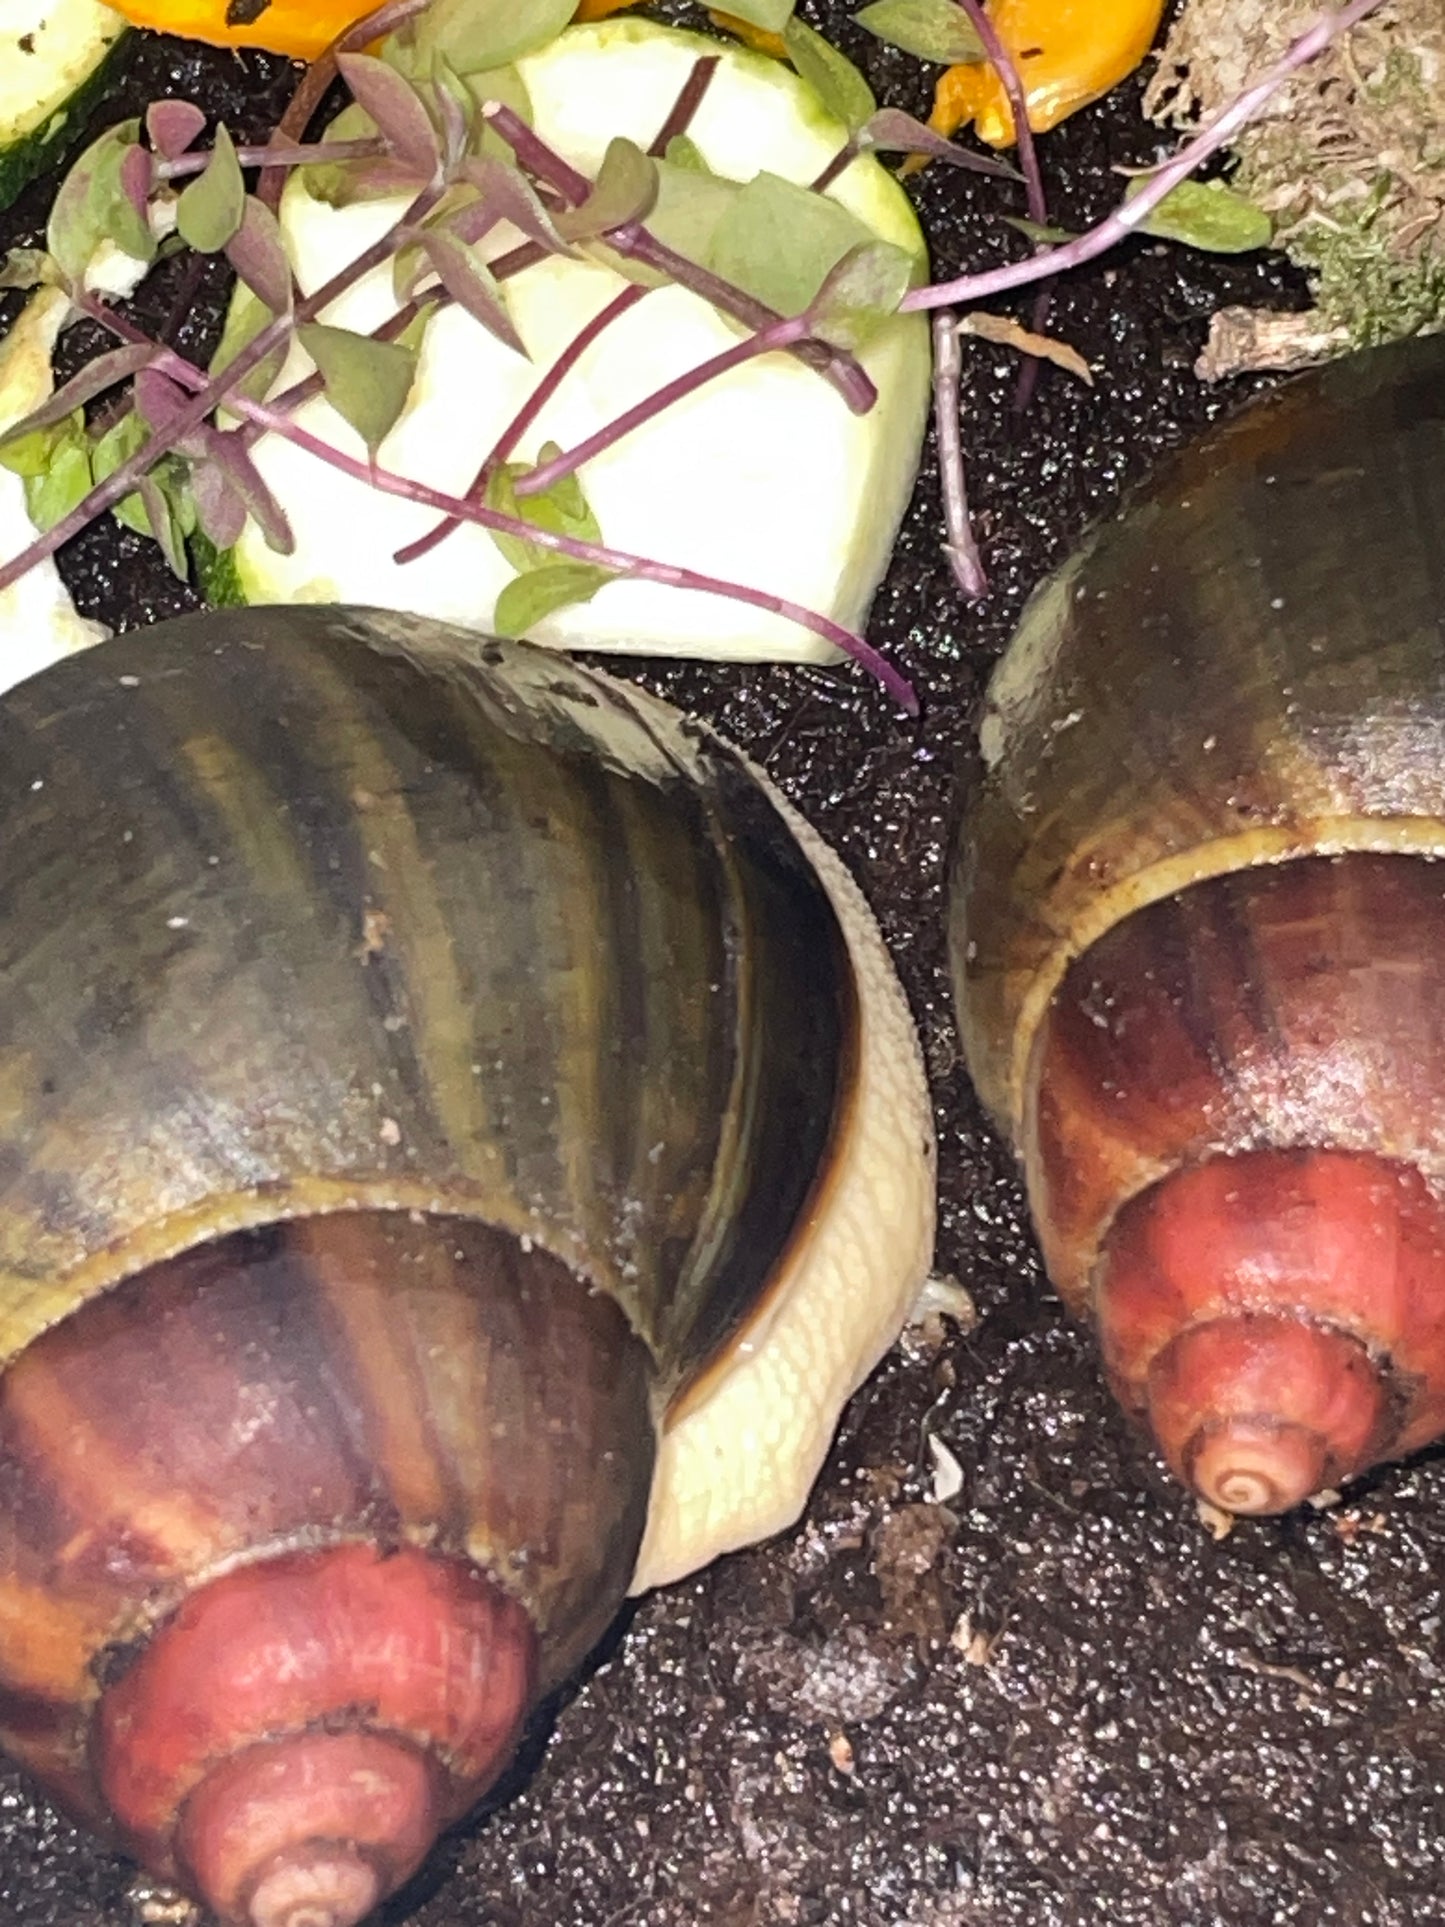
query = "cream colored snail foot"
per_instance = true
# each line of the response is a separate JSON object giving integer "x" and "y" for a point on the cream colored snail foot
{"x": 466, "y": 1122}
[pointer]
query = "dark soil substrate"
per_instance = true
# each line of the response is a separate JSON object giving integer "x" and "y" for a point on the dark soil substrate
{"x": 1057, "y": 1700}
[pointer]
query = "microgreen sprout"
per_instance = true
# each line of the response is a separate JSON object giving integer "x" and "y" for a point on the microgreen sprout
{"x": 440, "y": 115}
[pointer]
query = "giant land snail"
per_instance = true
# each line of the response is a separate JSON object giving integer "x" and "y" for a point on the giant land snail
{"x": 461, "y": 1141}
{"x": 1198, "y": 934}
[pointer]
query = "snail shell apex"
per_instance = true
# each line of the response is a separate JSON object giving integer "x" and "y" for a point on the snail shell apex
{"x": 356, "y": 976}
{"x": 1197, "y": 927}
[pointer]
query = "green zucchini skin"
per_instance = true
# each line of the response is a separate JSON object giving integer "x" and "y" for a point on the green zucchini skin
{"x": 40, "y": 138}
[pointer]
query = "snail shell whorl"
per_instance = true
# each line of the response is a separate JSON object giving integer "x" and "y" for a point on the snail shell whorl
{"x": 1197, "y": 951}
{"x": 422, "y": 1059}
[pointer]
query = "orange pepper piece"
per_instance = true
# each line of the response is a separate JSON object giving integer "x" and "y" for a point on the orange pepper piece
{"x": 758, "y": 38}
{"x": 599, "y": 9}
{"x": 301, "y": 28}
{"x": 1067, "y": 53}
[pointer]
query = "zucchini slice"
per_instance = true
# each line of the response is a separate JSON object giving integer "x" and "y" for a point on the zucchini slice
{"x": 53, "y": 56}
{"x": 762, "y": 477}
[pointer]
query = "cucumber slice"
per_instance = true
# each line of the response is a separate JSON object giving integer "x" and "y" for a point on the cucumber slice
{"x": 53, "y": 56}
{"x": 38, "y": 621}
{"x": 762, "y": 478}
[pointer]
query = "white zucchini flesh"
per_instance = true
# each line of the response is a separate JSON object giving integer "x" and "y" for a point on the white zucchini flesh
{"x": 38, "y": 621}
{"x": 49, "y": 49}
{"x": 762, "y": 477}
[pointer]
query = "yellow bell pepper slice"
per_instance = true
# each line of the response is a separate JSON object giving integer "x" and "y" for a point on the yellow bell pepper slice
{"x": 1066, "y": 52}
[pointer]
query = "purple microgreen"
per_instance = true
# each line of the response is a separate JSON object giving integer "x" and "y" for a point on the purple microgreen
{"x": 684, "y": 109}
{"x": 247, "y": 318}
{"x": 778, "y": 242}
{"x": 135, "y": 180}
{"x": 396, "y": 108}
{"x": 927, "y": 29}
{"x": 860, "y": 294}
{"x": 220, "y": 512}
{"x": 530, "y": 598}
{"x": 959, "y": 545}
{"x": 891, "y": 131}
{"x": 771, "y": 15}
{"x": 558, "y": 506}
{"x": 93, "y": 206}
{"x": 281, "y": 156}
{"x": 831, "y": 75}
{"x": 1044, "y": 232}
{"x": 212, "y": 206}
{"x": 457, "y": 114}
{"x": 474, "y": 36}
{"x": 1207, "y": 215}
{"x": 227, "y": 452}
{"x": 526, "y": 415}
{"x": 164, "y": 524}
{"x": 1127, "y": 219}
{"x": 1008, "y": 333}
{"x": 1006, "y": 69}
{"x": 617, "y": 561}
{"x": 625, "y": 191}
{"x": 257, "y": 252}
{"x": 95, "y": 378}
{"x": 158, "y": 400}
{"x": 534, "y": 153}
{"x": 468, "y": 281}
{"x": 506, "y": 194}
{"x": 367, "y": 382}
{"x": 172, "y": 125}
{"x": 683, "y": 152}
{"x": 782, "y": 334}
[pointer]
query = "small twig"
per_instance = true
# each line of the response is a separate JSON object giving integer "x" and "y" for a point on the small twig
{"x": 283, "y": 154}
{"x": 684, "y": 108}
{"x": 959, "y": 545}
{"x": 1122, "y": 223}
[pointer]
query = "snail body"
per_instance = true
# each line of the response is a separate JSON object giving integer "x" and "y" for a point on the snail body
{"x": 461, "y": 1143}
{"x": 1197, "y": 932}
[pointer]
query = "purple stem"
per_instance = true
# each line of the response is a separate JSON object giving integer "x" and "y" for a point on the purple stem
{"x": 527, "y": 414}
{"x": 275, "y": 334}
{"x": 1002, "y": 62}
{"x": 276, "y": 154}
{"x": 782, "y": 334}
{"x": 619, "y": 561}
{"x": 959, "y": 544}
{"x": 634, "y": 242}
{"x": 1119, "y": 225}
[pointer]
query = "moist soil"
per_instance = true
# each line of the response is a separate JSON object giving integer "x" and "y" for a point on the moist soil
{"x": 1055, "y": 1698}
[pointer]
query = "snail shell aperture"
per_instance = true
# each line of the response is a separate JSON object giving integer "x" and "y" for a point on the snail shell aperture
{"x": 1198, "y": 934}
{"x": 461, "y": 1141}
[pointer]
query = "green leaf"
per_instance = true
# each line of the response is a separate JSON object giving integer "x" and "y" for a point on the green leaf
{"x": 27, "y": 268}
{"x": 55, "y": 464}
{"x": 367, "y": 382}
{"x": 930, "y": 29}
{"x": 778, "y": 242}
{"x": 830, "y": 74}
{"x": 561, "y": 510}
{"x": 245, "y": 319}
{"x": 691, "y": 201}
{"x": 1206, "y": 215}
{"x": 92, "y": 206}
{"x": 165, "y": 485}
{"x": 625, "y": 190}
{"x": 861, "y": 294}
{"x": 771, "y": 15}
{"x": 122, "y": 440}
{"x": 528, "y": 599}
{"x": 683, "y": 151}
{"x": 1043, "y": 232}
{"x": 212, "y": 206}
{"x": 475, "y": 36}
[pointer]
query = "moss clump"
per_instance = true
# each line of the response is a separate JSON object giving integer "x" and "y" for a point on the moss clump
{"x": 1349, "y": 159}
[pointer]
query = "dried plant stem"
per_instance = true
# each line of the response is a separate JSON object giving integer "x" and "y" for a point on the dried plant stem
{"x": 1119, "y": 225}
{"x": 959, "y": 544}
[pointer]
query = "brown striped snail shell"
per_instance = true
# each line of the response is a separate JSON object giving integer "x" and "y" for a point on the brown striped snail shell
{"x": 460, "y": 1143}
{"x": 1198, "y": 934}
